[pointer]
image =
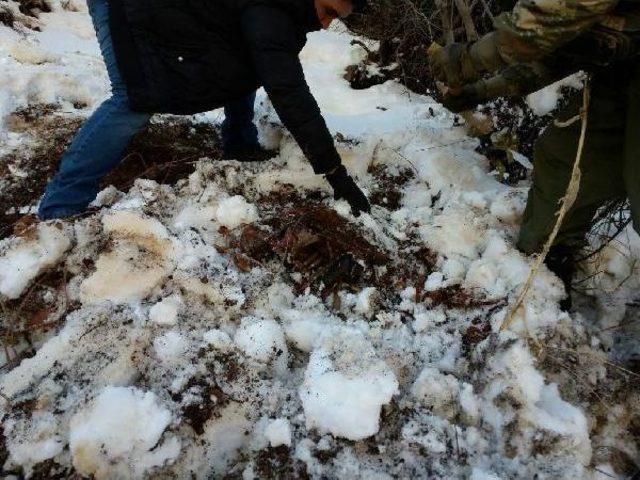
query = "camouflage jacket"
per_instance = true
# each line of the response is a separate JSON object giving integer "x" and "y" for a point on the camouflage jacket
{"x": 535, "y": 29}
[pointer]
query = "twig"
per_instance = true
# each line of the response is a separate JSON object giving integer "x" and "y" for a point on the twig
{"x": 465, "y": 15}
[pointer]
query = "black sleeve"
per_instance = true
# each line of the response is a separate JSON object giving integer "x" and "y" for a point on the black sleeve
{"x": 271, "y": 37}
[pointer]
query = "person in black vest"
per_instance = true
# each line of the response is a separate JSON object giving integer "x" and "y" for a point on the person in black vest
{"x": 190, "y": 56}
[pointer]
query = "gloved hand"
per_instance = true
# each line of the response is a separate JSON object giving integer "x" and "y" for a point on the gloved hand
{"x": 345, "y": 188}
{"x": 453, "y": 64}
{"x": 465, "y": 98}
{"x": 462, "y": 63}
{"x": 515, "y": 80}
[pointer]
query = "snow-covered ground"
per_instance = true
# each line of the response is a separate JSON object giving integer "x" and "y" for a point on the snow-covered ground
{"x": 177, "y": 363}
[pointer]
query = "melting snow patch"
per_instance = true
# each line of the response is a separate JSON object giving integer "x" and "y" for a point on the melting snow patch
{"x": 436, "y": 391}
{"x": 34, "y": 443}
{"x": 23, "y": 260}
{"x": 118, "y": 435}
{"x": 170, "y": 346}
{"x": 219, "y": 339}
{"x": 141, "y": 257}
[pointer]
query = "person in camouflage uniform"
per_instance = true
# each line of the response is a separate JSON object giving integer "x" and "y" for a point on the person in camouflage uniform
{"x": 533, "y": 45}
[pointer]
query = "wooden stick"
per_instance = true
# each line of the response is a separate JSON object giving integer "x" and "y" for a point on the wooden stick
{"x": 467, "y": 20}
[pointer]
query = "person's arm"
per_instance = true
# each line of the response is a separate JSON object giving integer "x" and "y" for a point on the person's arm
{"x": 531, "y": 32}
{"x": 270, "y": 34}
{"x": 271, "y": 37}
{"x": 536, "y": 28}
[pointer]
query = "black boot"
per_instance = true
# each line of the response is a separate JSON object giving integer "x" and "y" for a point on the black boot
{"x": 561, "y": 261}
{"x": 248, "y": 153}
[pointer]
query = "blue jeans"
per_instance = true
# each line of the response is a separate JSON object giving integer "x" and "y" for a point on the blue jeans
{"x": 100, "y": 144}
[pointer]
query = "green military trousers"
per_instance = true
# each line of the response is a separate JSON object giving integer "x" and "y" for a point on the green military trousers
{"x": 610, "y": 162}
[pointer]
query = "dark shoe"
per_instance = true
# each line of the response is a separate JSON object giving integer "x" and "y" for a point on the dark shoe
{"x": 250, "y": 153}
{"x": 561, "y": 261}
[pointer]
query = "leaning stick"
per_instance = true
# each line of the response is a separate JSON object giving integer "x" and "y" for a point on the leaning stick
{"x": 565, "y": 204}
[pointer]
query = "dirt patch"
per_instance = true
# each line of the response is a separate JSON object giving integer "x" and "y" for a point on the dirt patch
{"x": 33, "y": 7}
{"x": 6, "y": 17}
{"x": 388, "y": 191}
{"x": 24, "y": 173}
{"x": 164, "y": 152}
{"x": 4, "y": 453}
{"x": 311, "y": 239}
{"x": 277, "y": 463}
{"x": 457, "y": 297}
{"x": 197, "y": 414}
{"x": 37, "y": 311}
{"x": 479, "y": 330}
{"x": 50, "y": 470}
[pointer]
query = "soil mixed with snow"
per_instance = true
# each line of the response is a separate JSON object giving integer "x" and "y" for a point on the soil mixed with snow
{"x": 239, "y": 323}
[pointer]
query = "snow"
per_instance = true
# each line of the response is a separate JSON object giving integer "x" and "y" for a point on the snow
{"x": 165, "y": 312}
{"x": 278, "y": 432}
{"x": 234, "y": 211}
{"x": 345, "y": 387}
{"x": 22, "y": 260}
{"x": 436, "y": 390}
{"x": 170, "y": 346}
{"x": 119, "y": 435}
{"x": 174, "y": 363}
{"x": 219, "y": 339}
{"x": 142, "y": 257}
{"x": 262, "y": 340}
{"x": 545, "y": 100}
{"x": 39, "y": 443}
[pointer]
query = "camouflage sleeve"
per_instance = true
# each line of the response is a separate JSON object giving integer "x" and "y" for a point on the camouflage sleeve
{"x": 536, "y": 28}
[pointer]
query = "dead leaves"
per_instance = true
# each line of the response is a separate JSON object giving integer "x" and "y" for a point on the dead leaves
{"x": 312, "y": 240}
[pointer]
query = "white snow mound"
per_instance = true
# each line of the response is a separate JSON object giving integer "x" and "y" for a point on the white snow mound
{"x": 235, "y": 211}
{"x": 118, "y": 435}
{"x": 345, "y": 387}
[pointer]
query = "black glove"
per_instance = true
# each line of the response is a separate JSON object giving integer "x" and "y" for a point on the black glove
{"x": 344, "y": 187}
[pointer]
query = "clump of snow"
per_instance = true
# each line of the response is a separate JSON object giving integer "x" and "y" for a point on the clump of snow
{"x": 345, "y": 387}
{"x": 170, "y": 346}
{"x": 546, "y": 99}
{"x": 23, "y": 260}
{"x": 278, "y": 432}
{"x": 119, "y": 435}
{"x": 165, "y": 312}
{"x": 219, "y": 339}
{"x": 479, "y": 474}
{"x": 40, "y": 440}
{"x": 427, "y": 319}
{"x": 542, "y": 407}
{"x": 436, "y": 390}
{"x": 305, "y": 325}
{"x": 235, "y": 211}
{"x": 262, "y": 340}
